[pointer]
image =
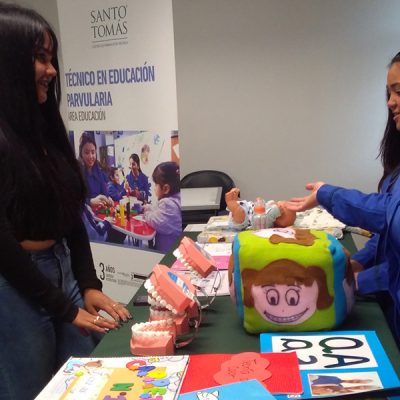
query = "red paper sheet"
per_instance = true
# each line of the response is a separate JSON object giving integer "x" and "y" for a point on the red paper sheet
{"x": 284, "y": 369}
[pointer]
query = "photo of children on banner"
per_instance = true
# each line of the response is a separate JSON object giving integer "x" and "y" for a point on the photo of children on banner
{"x": 96, "y": 181}
{"x": 175, "y": 314}
{"x": 284, "y": 279}
{"x": 256, "y": 215}
{"x": 200, "y": 265}
{"x": 115, "y": 189}
{"x": 165, "y": 215}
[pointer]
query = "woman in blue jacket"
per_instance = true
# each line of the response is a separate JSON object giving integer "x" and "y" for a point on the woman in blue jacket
{"x": 138, "y": 182}
{"x": 95, "y": 178}
{"x": 377, "y": 265}
{"x": 371, "y": 259}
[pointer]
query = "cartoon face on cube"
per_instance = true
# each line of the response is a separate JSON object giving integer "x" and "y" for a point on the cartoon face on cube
{"x": 290, "y": 280}
{"x": 285, "y": 304}
{"x": 285, "y": 292}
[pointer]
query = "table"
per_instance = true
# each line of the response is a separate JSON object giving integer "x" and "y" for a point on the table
{"x": 135, "y": 227}
{"x": 221, "y": 332}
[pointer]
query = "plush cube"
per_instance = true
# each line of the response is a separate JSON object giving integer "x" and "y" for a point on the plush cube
{"x": 286, "y": 279}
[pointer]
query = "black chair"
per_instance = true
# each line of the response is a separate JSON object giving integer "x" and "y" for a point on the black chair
{"x": 206, "y": 178}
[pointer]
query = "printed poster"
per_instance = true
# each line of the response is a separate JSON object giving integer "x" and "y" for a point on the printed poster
{"x": 336, "y": 363}
{"x": 119, "y": 88}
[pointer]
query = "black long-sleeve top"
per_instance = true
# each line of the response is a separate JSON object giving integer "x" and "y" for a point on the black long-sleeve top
{"x": 42, "y": 203}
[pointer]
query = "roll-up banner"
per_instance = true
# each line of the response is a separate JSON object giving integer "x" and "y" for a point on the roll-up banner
{"x": 119, "y": 88}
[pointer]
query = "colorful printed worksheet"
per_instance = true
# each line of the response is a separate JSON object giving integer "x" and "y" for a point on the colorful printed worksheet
{"x": 124, "y": 378}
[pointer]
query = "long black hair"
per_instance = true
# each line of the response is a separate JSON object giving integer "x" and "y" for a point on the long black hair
{"x": 86, "y": 137}
{"x": 389, "y": 151}
{"x": 33, "y": 138}
{"x": 136, "y": 158}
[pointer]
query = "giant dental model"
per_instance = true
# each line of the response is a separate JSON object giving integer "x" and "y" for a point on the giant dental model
{"x": 194, "y": 258}
{"x": 174, "y": 311}
{"x": 200, "y": 265}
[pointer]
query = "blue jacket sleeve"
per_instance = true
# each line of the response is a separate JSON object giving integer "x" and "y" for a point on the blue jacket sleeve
{"x": 368, "y": 211}
{"x": 147, "y": 185}
{"x": 374, "y": 279}
{"x": 116, "y": 192}
{"x": 366, "y": 256}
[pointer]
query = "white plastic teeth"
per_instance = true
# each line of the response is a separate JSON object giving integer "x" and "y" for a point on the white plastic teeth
{"x": 152, "y": 302}
{"x": 155, "y": 300}
{"x": 152, "y": 329}
{"x": 163, "y": 314}
{"x": 181, "y": 257}
{"x": 148, "y": 285}
{"x": 178, "y": 254}
{"x": 194, "y": 274}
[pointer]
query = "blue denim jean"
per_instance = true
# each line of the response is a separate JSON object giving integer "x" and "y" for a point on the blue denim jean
{"x": 33, "y": 344}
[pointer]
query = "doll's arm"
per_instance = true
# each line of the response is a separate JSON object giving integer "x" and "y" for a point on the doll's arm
{"x": 287, "y": 217}
{"x": 232, "y": 203}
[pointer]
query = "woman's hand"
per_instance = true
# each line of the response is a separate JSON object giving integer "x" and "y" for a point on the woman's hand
{"x": 356, "y": 266}
{"x": 306, "y": 202}
{"x": 96, "y": 300}
{"x": 93, "y": 322}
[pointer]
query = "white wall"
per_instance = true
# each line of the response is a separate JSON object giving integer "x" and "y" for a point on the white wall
{"x": 280, "y": 92}
{"x": 47, "y": 8}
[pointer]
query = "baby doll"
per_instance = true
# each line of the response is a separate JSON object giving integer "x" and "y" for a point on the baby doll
{"x": 241, "y": 212}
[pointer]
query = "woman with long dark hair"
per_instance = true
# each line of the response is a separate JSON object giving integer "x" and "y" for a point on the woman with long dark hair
{"x": 49, "y": 292}
{"x": 95, "y": 178}
{"x": 138, "y": 182}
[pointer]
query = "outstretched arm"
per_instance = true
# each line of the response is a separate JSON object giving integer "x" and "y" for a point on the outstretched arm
{"x": 306, "y": 202}
{"x": 368, "y": 211}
